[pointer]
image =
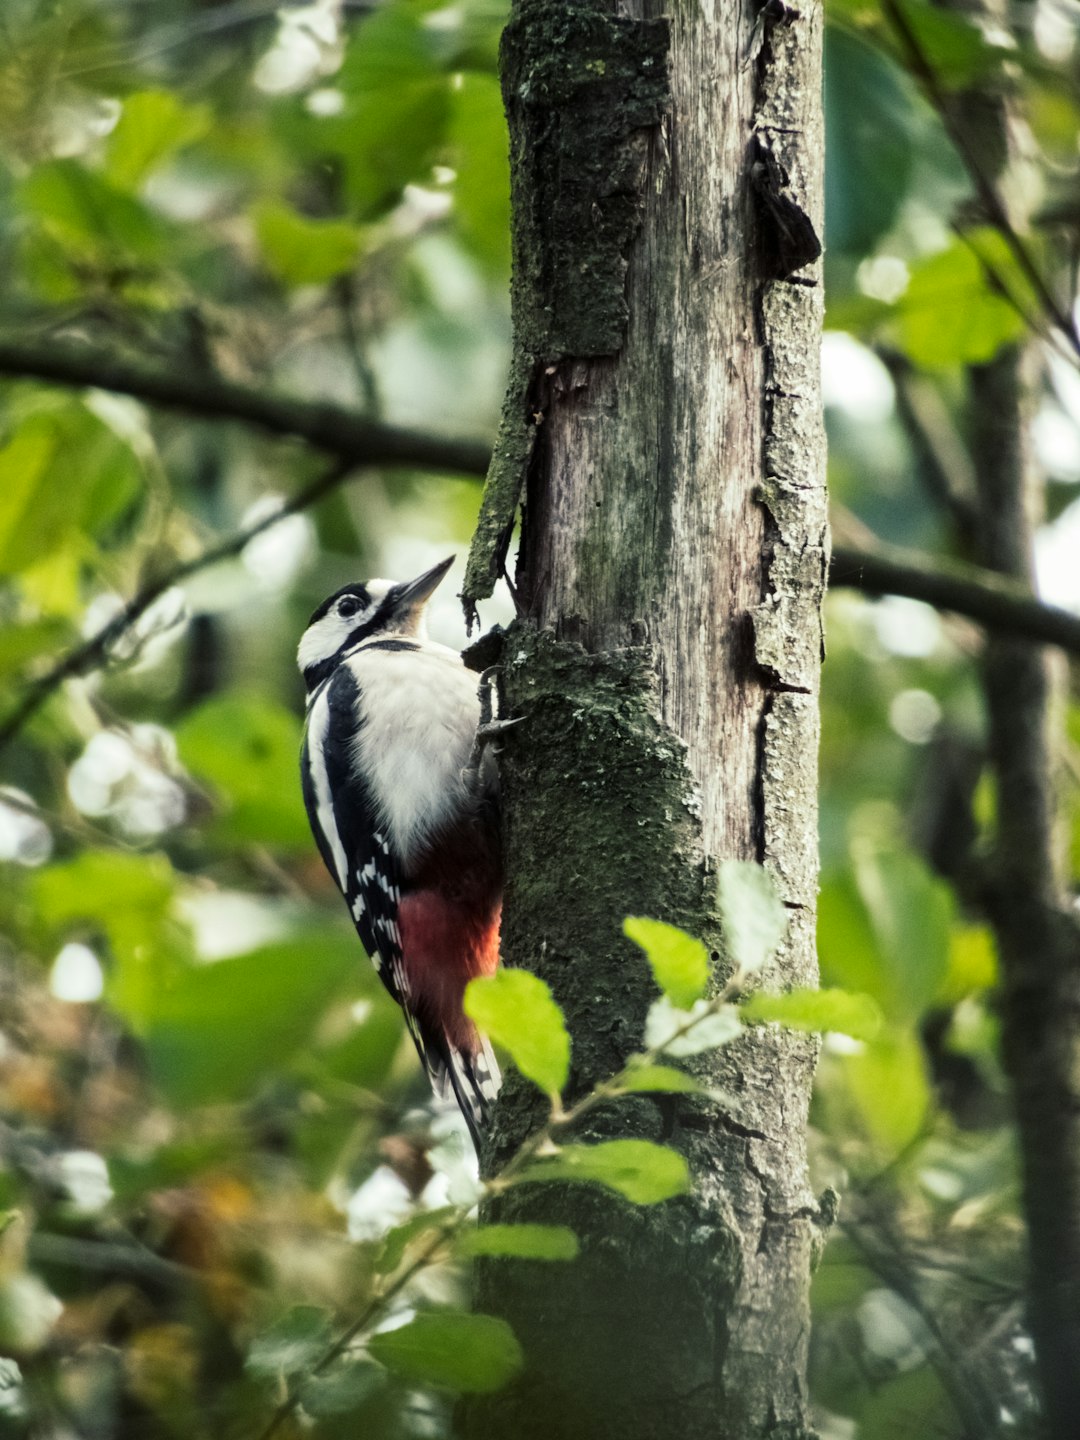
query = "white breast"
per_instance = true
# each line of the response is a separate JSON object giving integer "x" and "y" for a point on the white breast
{"x": 420, "y": 711}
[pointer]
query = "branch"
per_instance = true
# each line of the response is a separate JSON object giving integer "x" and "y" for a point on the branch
{"x": 330, "y": 428}
{"x": 132, "y": 1261}
{"x": 990, "y": 599}
{"x": 950, "y": 1358}
{"x": 93, "y": 653}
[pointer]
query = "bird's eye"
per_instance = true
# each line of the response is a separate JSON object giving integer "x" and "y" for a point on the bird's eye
{"x": 348, "y": 606}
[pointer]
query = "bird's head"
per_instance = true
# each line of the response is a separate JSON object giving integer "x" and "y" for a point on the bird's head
{"x": 363, "y": 612}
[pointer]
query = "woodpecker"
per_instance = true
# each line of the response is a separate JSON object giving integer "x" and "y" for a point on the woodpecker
{"x": 402, "y": 794}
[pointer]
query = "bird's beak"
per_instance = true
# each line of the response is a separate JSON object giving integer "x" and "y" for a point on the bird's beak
{"x": 414, "y": 594}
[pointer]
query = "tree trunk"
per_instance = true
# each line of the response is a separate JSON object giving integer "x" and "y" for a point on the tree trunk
{"x": 1027, "y": 898}
{"x": 1024, "y": 888}
{"x": 664, "y": 424}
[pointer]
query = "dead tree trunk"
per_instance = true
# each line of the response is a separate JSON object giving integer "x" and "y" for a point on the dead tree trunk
{"x": 663, "y": 430}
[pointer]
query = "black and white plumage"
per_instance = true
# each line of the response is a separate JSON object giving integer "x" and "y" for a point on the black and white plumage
{"x": 403, "y": 803}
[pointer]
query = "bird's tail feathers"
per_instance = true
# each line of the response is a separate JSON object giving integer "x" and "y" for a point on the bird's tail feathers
{"x": 473, "y": 1079}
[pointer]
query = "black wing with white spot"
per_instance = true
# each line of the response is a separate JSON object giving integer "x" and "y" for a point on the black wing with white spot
{"x": 346, "y": 828}
{"x": 358, "y": 853}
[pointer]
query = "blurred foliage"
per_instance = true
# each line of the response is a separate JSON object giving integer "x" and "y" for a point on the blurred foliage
{"x": 209, "y": 1118}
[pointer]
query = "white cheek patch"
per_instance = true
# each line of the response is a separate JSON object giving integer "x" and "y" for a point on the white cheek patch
{"x": 326, "y": 637}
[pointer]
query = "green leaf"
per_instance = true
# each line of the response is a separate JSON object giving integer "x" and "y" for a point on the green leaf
{"x": 24, "y": 463}
{"x": 207, "y": 1041}
{"x": 343, "y": 1390}
{"x": 913, "y": 1403}
{"x": 247, "y": 747}
{"x": 870, "y": 142}
{"x": 153, "y": 125}
{"x": 820, "y": 1010}
{"x": 97, "y": 222}
{"x": 752, "y": 916}
{"x": 645, "y": 1078}
{"x": 846, "y": 943}
{"x": 471, "y": 1354}
{"x": 524, "y": 1242}
{"x": 972, "y": 964}
{"x": 680, "y": 964}
{"x": 398, "y": 1240}
{"x": 842, "y": 1278}
{"x": 479, "y": 149}
{"x": 888, "y": 1091}
{"x": 364, "y": 1054}
{"x": 107, "y": 887}
{"x": 955, "y": 46}
{"x": 910, "y": 912}
{"x": 129, "y": 899}
{"x": 300, "y": 251}
{"x": 64, "y": 476}
{"x": 712, "y": 1027}
{"x": 636, "y": 1169}
{"x": 37, "y": 639}
{"x": 889, "y": 933}
{"x": 952, "y": 313}
{"x": 518, "y": 1012}
{"x": 292, "y": 1344}
{"x": 397, "y": 104}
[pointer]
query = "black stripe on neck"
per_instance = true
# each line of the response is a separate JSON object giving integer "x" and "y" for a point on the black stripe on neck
{"x": 316, "y": 675}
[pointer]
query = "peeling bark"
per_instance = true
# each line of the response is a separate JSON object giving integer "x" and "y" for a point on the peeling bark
{"x": 671, "y": 459}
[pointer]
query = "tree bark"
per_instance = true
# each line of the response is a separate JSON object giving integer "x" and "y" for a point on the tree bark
{"x": 664, "y": 421}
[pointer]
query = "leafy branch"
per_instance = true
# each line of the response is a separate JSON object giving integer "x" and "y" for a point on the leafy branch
{"x": 991, "y": 600}
{"x": 541, "y": 1146}
{"x": 990, "y": 199}
{"x": 94, "y": 652}
{"x": 375, "y": 1307}
{"x": 984, "y": 596}
{"x": 518, "y": 1010}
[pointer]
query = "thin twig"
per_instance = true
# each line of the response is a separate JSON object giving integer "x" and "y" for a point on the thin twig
{"x": 443, "y": 1233}
{"x": 93, "y": 652}
{"x": 981, "y": 595}
{"x": 539, "y": 1141}
{"x": 944, "y": 462}
{"x": 975, "y": 1412}
{"x": 132, "y": 1261}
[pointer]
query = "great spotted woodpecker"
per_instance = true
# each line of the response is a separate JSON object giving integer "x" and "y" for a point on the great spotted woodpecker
{"x": 402, "y": 795}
